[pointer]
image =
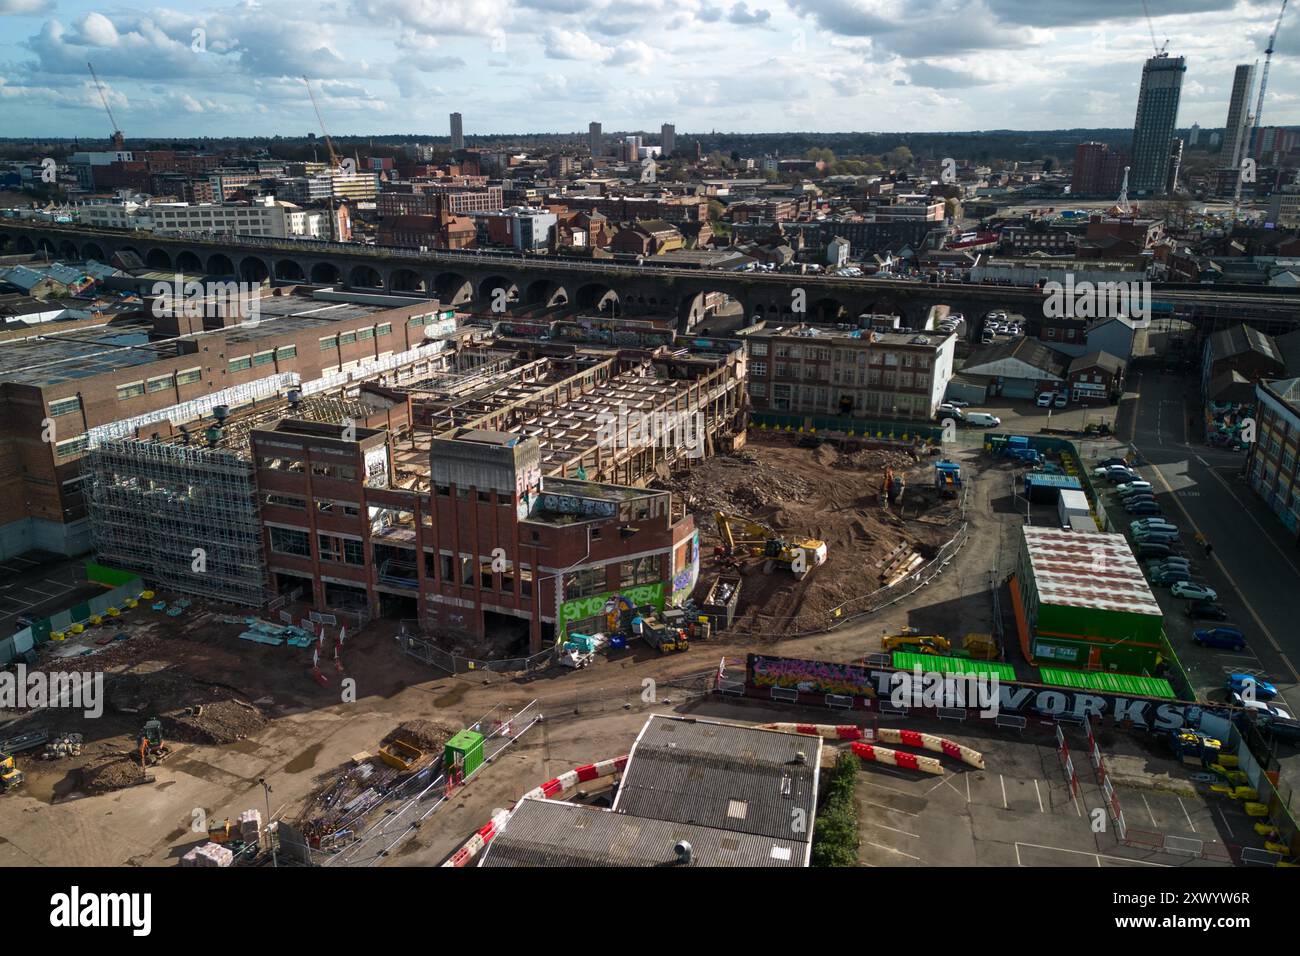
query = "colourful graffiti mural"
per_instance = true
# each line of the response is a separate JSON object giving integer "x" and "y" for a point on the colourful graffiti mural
{"x": 815, "y": 677}
{"x": 684, "y": 580}
{"x": 610, "y": 604}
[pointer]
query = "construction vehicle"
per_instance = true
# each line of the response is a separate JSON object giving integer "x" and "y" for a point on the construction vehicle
{"x": 643, "y": 622}
{"x": 947, "y": 478}
{"x": 150, "y": 743}
{"x": 980, "y": 647}
{"x": 892, "y": 487}
{"x": 11, "y": 778}
{"x": 1195, "y": 747}
{"x": 743, "y": 536}
{"x": 917, "y": 643}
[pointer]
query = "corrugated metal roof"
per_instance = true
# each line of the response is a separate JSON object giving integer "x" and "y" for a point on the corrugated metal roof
{"x": 939, "y": 664}
{"x": 1077, "y": 569}
{"x": 722, "y": 776}
{"x": 1102, "y": 680}
{"x": 551, "y": 833}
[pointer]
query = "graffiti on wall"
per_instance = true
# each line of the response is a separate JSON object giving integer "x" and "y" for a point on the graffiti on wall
{"x": 610, "y": 604}
{"x": 573, "y": 505}
{"x": 684, "y": 580}
{"x": 814, "y": 677}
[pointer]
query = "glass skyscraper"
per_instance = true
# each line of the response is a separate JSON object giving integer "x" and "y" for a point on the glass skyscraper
{"x": 1153, "y": 131}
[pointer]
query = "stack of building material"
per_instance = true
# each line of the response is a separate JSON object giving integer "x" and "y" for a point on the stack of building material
{"x": 250, "y": 826}
{"x": 210, "y": 854}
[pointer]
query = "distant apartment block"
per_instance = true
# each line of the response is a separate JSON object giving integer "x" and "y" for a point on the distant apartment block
{"x": 1098, "y": 170}
{"x": 1153, "y": 129}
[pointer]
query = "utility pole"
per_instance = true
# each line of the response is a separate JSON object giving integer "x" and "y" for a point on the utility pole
{"x": 266, "y": 787}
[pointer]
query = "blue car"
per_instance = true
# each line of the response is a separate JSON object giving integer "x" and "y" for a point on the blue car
{"x": 1228, "y": 638}
{"x": 1263, "y": 689}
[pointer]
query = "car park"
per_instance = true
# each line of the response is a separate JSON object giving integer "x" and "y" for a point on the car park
{"x": 1142, "y": 508}
{"x": 1228, "y": 638}
{"x": 1260, "y": 689}
{"x": 1195, "y": 592}
{"x": 1207, "y": 611}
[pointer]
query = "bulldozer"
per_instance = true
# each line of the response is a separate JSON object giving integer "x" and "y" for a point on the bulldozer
{"x": 746, "y": 537}
{"x": 150, "y": 742}
{"x": 11, "y": 778}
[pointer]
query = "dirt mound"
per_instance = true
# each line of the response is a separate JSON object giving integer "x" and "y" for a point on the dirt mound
{"x": 428, "y": 735}
{"x": 111, "y": 773}
{"x": 830, "y": 493}
{"x": 222, "y": 722}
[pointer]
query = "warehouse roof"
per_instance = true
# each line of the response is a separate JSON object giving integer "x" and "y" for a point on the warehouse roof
{"x": 551, "y": 833}
{"x": 1078, "y": 569}
{"x": 719, "y": 775}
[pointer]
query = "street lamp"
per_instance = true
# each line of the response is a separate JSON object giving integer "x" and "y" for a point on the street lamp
{"x": 266, "y": 787}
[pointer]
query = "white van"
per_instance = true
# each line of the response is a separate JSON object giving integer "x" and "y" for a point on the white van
{"x": 982, "y": 420}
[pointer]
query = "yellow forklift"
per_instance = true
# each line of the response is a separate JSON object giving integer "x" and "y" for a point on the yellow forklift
{"x": 11, "y": 778}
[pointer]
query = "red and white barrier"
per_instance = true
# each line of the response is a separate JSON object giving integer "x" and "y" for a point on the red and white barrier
{"x": 914, "y": 738}
{"x": 829, "y": 731}
{"x": 897, "y": 758}
{"x": 552, "y": 787}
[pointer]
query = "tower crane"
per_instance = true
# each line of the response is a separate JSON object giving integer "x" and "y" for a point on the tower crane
{"x": 335, "y": 162}
{"x": 1263, "y": 77}
{"x": 117, "y": 133}
{"x": 1252, "y": 144}
{"x": 1160, "y": 50}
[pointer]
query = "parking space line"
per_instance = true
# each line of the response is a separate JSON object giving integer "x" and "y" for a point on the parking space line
{"x": 1226, "y": 824}
{"x": 1040, "y": 797}
{"x": 968, "y": 788}
{"x": 1005, "y": 806}
{"x": 1097, "y": 856}
{"x": 901, "y": 793}
{"x": 881, "y": 846}
{"x": 1149, "y": 813}
{"x": 28, "y": 587}
{"x": 1186, "y": 814}
{"x": 894, "y": 830}
{"x": 882, "y": 806}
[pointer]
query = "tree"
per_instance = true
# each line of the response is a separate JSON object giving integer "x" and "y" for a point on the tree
{"x": 716, "y": 209}
{"x": 898, "y": 156}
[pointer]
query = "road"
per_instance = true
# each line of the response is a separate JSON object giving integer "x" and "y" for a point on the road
{"x": 1255, "y": 565}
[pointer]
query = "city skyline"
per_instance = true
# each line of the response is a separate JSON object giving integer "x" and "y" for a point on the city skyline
{"x": 548, "y": 66}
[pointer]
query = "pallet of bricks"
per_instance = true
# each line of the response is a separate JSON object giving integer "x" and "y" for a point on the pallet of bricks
{"x": 249, "y": 830}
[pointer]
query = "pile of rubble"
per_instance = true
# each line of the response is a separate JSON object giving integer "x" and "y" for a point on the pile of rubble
{"x": 428, "y": 735}
{"x": 112, "y": 773}
{"x": 222, "y": 722}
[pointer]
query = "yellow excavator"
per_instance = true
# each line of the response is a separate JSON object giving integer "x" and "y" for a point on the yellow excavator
{"x": 744, "y": 536}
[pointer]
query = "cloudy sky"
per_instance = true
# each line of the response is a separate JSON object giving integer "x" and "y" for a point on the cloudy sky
{"x": 400, "y": 66}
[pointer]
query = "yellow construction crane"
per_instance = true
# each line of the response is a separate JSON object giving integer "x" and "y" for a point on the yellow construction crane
{"x": 744, "y": 536}
{"x": 335, "y": 162}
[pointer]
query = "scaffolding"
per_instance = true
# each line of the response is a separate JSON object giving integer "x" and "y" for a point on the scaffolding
{"x": 183, "y": 516}
{"x": 184, "y": 512}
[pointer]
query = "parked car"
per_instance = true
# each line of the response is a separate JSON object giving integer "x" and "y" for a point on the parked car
{"x": 1261, "y": 708}
{"x": 1172, "y": 576}
{"x": 1154, "y": 551}
{"x": 1123, "y": 477}
{"x": 949, "y": 410}
{"x": 1142, "y": 508}
{"x": 1160, "y": 565}
{"x": 1045, "y": 400}
{"x": 1207, "y": 611}
{"x": 1225, "y": 637}
{"x": 1144, "y": 524}
{"x": 1062, "y": 399}
{"x": 1155, "y": 537}
{"x": 983, "y": 420}
{"x": 1104, "y": 471}
{"x": 1195, "y": 592}
{"x": 1107, "y": 462}
{"x": 1262, "y": 689}
{"x": 1288, "y": 730}
{"x": 957, "y": 403}
{"x": 1132, "y": 487}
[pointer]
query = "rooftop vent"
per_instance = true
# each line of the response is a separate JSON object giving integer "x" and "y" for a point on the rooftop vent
{"x": 684, "y": 852}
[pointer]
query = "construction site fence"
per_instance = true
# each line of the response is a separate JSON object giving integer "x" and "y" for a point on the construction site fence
{"x": 21, "y": 645}
{"x": 830, "y": 425}
{"x": 893, "y": 593}
{"x": 1256, "y": 758}
{"x": 422, "y": 646}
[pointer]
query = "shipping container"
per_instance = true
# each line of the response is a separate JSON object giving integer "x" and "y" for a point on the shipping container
{"x": 463, "y": 752}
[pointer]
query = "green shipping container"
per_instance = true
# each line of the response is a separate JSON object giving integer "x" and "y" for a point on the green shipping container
{"x": 464, "y": 751}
